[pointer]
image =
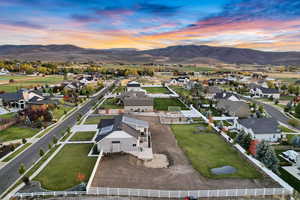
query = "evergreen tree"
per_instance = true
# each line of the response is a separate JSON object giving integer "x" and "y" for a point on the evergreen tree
{"x": 296, "y": 141}
{"x": 266, "y": 154}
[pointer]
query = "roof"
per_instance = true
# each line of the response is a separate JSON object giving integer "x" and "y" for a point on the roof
{"x": 133, "y": 84}
{"x": 213, "y": 90}
{"x": 237, "y": 108}
{"x": 136, "y": 99}
{"x": 269, "y": 90}
{"x": 225, "y": 95}
{"x": 124, "y": 123}
{"x": 261, "y": 125}
{"x": 12, "y": 96}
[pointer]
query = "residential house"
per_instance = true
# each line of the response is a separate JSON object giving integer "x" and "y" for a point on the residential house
{"x": 238, "y": 109}
{"x": 137, "y": 102}
{"x": 123, "y": 134}
{"x": 265, "y": 92}
{"x": 134, "y": 87}
{"x": 260, "y": 128}
{"x": 226, "y": 96}
{"x": 17, "y": 100}
{"x": 211, "y": 91}
{"x": 179, "y": 81}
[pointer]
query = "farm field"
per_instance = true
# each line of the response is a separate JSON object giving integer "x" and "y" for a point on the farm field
{"x": 29, "y": 82}
{"x": 17, "y": 132}
{"x": 157, "y": 90}
{"x": 61, "y": 173}
{"x": 164, "y": 104}
{"x": 208, "y": 150}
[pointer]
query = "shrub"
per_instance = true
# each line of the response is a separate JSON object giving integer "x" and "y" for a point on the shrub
{"x": 42, "y": 152}
{"x": 24, "y": 140}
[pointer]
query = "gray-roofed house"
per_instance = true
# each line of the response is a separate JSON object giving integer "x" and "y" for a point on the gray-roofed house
{"x": 211, "y": 91}
{"x": 123, "y": 134}
{"x": 137, "y": 102}
{"x": 265, "y": 92}
{"x": 260, "y": 128}
{"x": 238, "y": 109}
{"x": 134, "y": 86}
{"x": 226, "y": 96}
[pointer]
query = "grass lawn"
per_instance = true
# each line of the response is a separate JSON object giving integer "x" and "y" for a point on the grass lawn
{"x": 17, "y": 132}
{"x": 286, "y": 129}
{"x": 15, "y": 153}
{"x": 96, "y": 120}
{"x": 181, "y": 91}
{"x": 157, "y": 90}
{"x": 7, "y": 116}
{"x": 83, "y": 136}
{"x": 288, "y": 98}
{"x": 164, "y": 103}
{"x": 119, "y": 89}
{"x": 111, "y": 104}
{"x": 207, "y": 151}
{"x": 61, "y": 172}
{"x": 30, "y": 82}
{"x": 290, "y": 137}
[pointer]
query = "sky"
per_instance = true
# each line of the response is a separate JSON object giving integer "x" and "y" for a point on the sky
{"x": 270, "y": 25}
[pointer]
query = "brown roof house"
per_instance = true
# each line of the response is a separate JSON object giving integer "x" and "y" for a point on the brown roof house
{"x": 238, "y": 109}
{"x": 137, "y": 102}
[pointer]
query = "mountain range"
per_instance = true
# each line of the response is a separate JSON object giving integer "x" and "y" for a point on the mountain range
{"x": 184, "y": 54}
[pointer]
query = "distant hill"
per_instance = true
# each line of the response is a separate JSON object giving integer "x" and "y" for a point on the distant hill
{"x": 186, "y": 54}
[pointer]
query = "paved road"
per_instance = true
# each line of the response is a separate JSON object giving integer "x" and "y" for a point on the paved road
{"x": 9, "y": 174}
{"x": 273, "y": 112}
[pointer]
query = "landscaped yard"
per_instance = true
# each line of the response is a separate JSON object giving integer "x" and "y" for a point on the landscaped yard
{"x": 157, "y": 90}
{"x": 17, "y": 132}
{"x": 119, "y": 89}
{"x": 111, "y": 103}
{"x": 59, "y": 112}
{"x": 209, "y": 150}
{"x": 165, "y": 103}
{"x": 96, "y": 120}
{"x": 83, "y": 136}
{"x": 181, "y": 91}
{"x": 62, "y": 172}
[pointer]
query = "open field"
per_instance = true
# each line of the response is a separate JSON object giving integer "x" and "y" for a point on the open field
{"x": 165, "y": 103}
{"x": 111, "y": 104}
{"x": 17, "y": 132}
{"x": 115, "y": 170}
{"x": 29, "y": 82}
{"x": 157, "y": 90}
{"x": 83, "y": 136}
{"x": 207, "y": 151}
{"x": 96, "y": 120}
{"x": 61, "y": 173}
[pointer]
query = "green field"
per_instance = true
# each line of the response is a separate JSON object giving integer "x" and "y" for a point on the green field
{"x": 15, "y": 153}
{"x": 96, "y": 120}
{"x": 83, "y": 136}
{"x": 61, "y": 173}
{"x": 111, "y": 104}
{"x": 17, "y": 132}
{"x": 30, "y": 82}
{"x": 58, "y": 113}
{"x": 181, "y": 91}
{"x": 209, "y": 150}
{"x": 157, "y": 90}
{"x": 164, "y": 103}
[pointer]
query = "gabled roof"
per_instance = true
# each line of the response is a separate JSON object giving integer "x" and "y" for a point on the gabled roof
{"x": 133, "y": 84}
{"x": 225, "y": 95}
{"x": 261, "y": 125}
{"x": 238, "y": 108}
{"x": 136, "y": 99}
{"x": 12, "y": 96}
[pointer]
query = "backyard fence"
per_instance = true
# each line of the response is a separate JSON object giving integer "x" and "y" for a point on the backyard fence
{"x": 163, "y": 193}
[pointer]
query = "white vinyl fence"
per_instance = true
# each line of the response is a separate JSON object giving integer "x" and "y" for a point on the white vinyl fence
{"x": 163, "y": 193}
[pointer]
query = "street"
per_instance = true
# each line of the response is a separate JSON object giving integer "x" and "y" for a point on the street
{"x": 9, "y": 173}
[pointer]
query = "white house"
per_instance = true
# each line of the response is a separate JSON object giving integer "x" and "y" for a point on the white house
{"x": 260, "y": 128}
{"x": 123, "y": 134}
{"x": 265, "y": 92}
{"x": 227, "y": 96}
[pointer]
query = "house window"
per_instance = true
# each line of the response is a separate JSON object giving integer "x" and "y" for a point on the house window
{"x": 115, "y": 142}
{"x": 134, "y": 145}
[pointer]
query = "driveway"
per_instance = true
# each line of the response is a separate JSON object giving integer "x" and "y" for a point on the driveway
{"x": 9, "y": 174}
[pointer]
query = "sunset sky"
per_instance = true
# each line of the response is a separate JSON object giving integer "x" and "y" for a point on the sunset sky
{"x": 258, "y": 24}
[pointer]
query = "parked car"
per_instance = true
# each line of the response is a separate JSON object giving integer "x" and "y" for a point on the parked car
{"x": 291, "y": 155}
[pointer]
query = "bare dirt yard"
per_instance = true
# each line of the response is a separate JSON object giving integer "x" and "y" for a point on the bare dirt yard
{"x": 125, "y": 171}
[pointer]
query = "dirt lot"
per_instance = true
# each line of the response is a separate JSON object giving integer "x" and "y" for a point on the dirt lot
{"x": 124, "y": 171}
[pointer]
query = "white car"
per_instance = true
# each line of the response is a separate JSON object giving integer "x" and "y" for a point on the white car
{"x": 291, "y": 155}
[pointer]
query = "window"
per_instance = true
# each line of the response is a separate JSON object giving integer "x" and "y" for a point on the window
{"x": 115, "y": 142}
{"x": 134, "y": 145}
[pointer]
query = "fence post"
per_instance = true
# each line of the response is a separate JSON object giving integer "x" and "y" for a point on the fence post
{"x": 129, "y": 192}
{"x": 273, "y": 191}
{"x": 158, "y": 193}
{"x": 218, "y": 193}
{"x": 264, "y": 191}
{"x": 208, "y": 193}
{"x": 246, "y": 191}
{"x": 226, "y": 193}
{"x": 118, "y": 191}
{"x": 97, "y": 191}
{"x": 236, "y": 192}
{"x": 138, "y": 192}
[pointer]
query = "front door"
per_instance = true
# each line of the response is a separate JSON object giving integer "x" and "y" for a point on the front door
{"x": 115, "y": 146}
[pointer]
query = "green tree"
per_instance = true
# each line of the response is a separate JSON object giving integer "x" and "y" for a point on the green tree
{"x": 22, "y": 169}
{"x": 296, "y": 141}
{"x": 266, "y": 154}
{"x": 297, "y": 110}
{"x": 54, "y": 139}
{"x": 293, "y": 122}
{"x": 42, "y": 152}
